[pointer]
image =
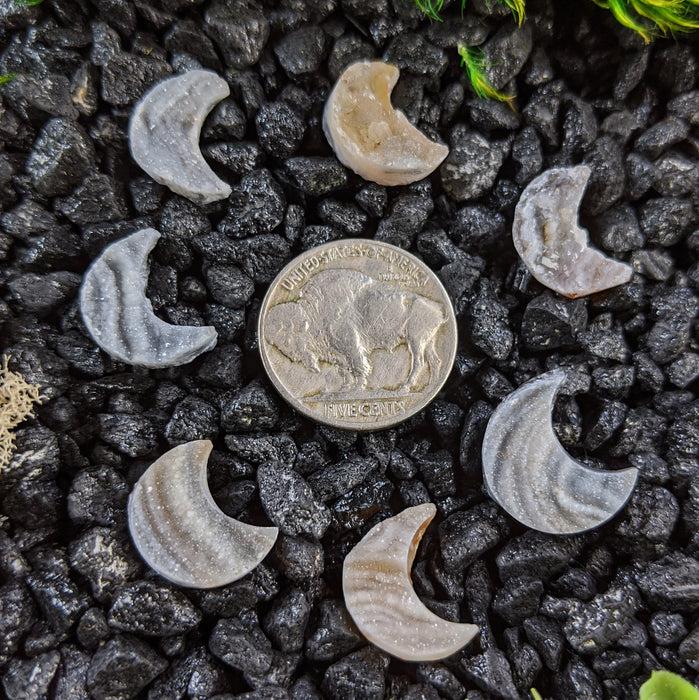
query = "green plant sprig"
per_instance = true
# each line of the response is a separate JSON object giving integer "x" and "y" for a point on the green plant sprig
{"x": 654, "y": 18}
{"x": 7, "y": 78}
{"x": 475, "y": 63}
{"x": 517, "y": 7}
{"x": 649, "y": 18}
{"x": 664, "y": 685}
{"x": 431, "y": 8}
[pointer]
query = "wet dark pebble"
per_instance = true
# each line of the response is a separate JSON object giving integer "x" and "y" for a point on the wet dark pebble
{"x": 123, "y": 667}
{"x": 105, "y": 559}
{"x": 595, "y": 626}
{"x": 256, "y": 206}
{"x": 553, "y": 322}
{"x": 133, "y": 435}
{"x": 192, "y": 419}
{"x": 280, "y": 129}
{"x": 240, "y": 32}
{"x": 31, "y": 678}
{"x": 467, "y": 535}
{"x": 671, "y": 583}
{"x": 290, "y": 503}
{"x": 491, "y": 672}
{"x": 518, "y": 599}
{"x": 62, "y": 155}
{"x": 152, "y": 610}
{"x": 315, "y": 175}
{"x": 301, "y": 51}
{"x": 92, "y": 629}
{"x": 360, "y": 673}
{"x": 254, "y": 406}
{"x": 286, "y": 621}
{"x": 470, "y": 169}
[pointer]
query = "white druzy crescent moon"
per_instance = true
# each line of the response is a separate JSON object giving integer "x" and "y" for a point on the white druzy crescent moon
{"x": 529, "y": 474}
{"x": 380, "y": 598}
{"x": 164, "y": 134}
{"x": 180, "y": 531}
{"x": 369, "y": 135}
{"x": 552, "y": 244}
{"x": 119, "y": 316}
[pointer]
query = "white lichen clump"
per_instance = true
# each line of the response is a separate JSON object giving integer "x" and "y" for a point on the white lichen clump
{"x": 17, "y": 399}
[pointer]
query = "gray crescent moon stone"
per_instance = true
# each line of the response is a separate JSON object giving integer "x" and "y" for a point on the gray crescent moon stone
{"x": 551, "y": 243}
{"x": 380, "y": 597}
{"x": 164, "y": 134}
{"x": 119, "y": 316}
{"x": 180, "y": 531}
{"x": 529, "y": 474}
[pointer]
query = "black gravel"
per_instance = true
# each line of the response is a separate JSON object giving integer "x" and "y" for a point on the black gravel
{"x": 82, "y": 616}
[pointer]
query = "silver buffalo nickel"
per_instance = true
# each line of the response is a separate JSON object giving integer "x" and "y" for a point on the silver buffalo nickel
{"x": 357, "y": 334}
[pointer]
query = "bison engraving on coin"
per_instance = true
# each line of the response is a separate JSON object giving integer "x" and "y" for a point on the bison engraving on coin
{"x": 357, "y": 334}
{"x": 341, "y": 316}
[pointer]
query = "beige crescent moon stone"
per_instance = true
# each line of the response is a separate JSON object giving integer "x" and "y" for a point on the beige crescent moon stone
{"x": 553, "y": 246}
{"x": 180, "y": 531}
{"x": 371, "y": 137}
{"x": 380, "y": 598}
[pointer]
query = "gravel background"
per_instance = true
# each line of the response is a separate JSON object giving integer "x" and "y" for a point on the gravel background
{"x": 576, "y": 617}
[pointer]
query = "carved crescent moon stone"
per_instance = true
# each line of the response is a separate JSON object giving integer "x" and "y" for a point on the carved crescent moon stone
{"x": 380, "y": 598}
{"x": 180, "y": 531}
{"x": 371, "y": 137}
{"x": 119, "y": 316}
{"x": 164, "y": 134}
{"x": 529, "y": 474}
{"x": 553, "y": 246}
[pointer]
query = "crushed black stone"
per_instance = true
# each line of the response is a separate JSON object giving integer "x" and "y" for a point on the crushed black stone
{"x": 81, "y": 615}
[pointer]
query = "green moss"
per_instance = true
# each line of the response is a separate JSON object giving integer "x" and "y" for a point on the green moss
{"x": 431, "y": 8}
{"x": 517, "y": 7}
{"x": 653, "y": 18}
{"x": 7, "y": 78}
{"x": 649, "y": 18}
{"x": 663, "y": 685}
{"x": 475, "y": 63}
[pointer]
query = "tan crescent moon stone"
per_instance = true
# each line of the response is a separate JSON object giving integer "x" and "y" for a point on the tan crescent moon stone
{"x": 371, "y": 137}
{"x": 380, "y": 598}
{"x": 180, "y": 531}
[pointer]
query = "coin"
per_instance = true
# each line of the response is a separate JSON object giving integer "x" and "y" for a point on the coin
{"x": 357, "y": 334}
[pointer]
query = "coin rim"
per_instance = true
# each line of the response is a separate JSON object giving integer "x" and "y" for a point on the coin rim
{"x": 295, "y": 402}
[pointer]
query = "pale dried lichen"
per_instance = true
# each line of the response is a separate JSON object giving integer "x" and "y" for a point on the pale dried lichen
{"x": 17, "y": 399}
